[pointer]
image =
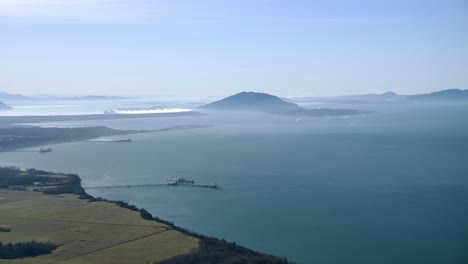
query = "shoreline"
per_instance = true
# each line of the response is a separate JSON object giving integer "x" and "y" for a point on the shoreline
{"x": 210, "y": 248}
{"x": 50, "y": 139}
{"x": 22, "y": 119}
{"x": 148, "y": 216}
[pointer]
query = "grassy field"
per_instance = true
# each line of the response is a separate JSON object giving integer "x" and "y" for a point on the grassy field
{"x": 86, "y": 232}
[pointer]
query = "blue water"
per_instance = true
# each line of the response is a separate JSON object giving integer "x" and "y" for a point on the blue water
{"x": 389, "y": 187}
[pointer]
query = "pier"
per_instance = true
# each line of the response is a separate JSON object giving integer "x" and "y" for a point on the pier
{"x": 175, "y": 184}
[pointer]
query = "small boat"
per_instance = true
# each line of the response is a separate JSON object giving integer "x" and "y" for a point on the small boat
{"x": 45, "y": 150}
{"x": 123, "y": 140}
{"x": 184, "y": 181}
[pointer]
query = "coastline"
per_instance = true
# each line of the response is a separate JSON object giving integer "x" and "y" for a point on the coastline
{"x": 210, "y": 249}
{"x": 205, "y": 241}
{"x": 33, "y": 136}
{"x": 9, "y": 120}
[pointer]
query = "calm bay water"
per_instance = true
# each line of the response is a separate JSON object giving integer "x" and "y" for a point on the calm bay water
{"x": 389, "y": 187}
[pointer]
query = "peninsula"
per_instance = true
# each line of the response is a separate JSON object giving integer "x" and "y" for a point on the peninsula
{"x": 16, "y": 137}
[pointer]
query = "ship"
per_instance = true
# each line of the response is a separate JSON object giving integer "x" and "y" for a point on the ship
{"x": 123, "y": 140}
{"x": 181, "y": 181}
{"x": 45, "y": 150}
{"x": 184, "y": 181}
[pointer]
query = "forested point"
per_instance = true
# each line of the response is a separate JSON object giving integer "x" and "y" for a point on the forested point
{"x": 4, "y": 229}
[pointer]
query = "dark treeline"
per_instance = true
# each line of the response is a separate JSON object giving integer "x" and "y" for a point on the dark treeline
{"x": 25, "y": 180}
{"x": 8, "y": 172}
{"x": 4, "y": 229}
{"x": 12, "y": 176}
{"x": 72, "y": 186}
{"x": 25, "y": 249}
{"x": 69, "y": 183}
{"x": 60, "y": 189}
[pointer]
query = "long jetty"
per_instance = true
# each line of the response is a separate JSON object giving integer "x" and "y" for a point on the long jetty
{"x": 108, "y": 187}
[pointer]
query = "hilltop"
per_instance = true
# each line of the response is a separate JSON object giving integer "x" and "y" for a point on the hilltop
{"x": 252, "y": 101}
{"x": 262, "y": 102}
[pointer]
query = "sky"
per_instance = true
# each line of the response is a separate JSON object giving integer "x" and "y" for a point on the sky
{"x": 214, "y": 48}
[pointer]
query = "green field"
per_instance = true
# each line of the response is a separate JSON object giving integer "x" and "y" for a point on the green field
{"x": 86, "y": 232}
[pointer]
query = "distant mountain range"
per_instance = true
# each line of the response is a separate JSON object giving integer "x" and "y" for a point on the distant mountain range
{"x": 18, "y": 97}
{"x": 451, "y": 95}
{"x": 262, "y": 102}
{"x": 268, "y": 103}
{"x": 445, "y": 95}
{"x": 388, "y": 97}
{"x": 9, "y": 96}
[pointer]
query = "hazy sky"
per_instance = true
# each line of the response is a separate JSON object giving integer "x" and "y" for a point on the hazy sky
{"x": 216, "y": 47}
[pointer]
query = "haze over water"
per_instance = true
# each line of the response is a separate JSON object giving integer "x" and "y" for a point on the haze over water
{"x": 388, "y": 187}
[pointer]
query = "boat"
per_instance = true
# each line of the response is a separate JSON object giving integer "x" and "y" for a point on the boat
{"x": 181, "y": 181}
{"x": 184, "y": 181}
{"x": 123, "y": 140}
{"x": 45, "y": 150}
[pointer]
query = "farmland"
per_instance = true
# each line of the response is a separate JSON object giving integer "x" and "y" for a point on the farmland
{"x": 86, "y": 232}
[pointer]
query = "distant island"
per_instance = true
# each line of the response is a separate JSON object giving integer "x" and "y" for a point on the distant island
{"x": 388, "y": 97}
{"x": 447, "y": 96}
{"x": 10, "y": 96}
{"x": 451, "y": 95}
{"x": 262, "y": 102}
{"x": 251, "y": 101}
